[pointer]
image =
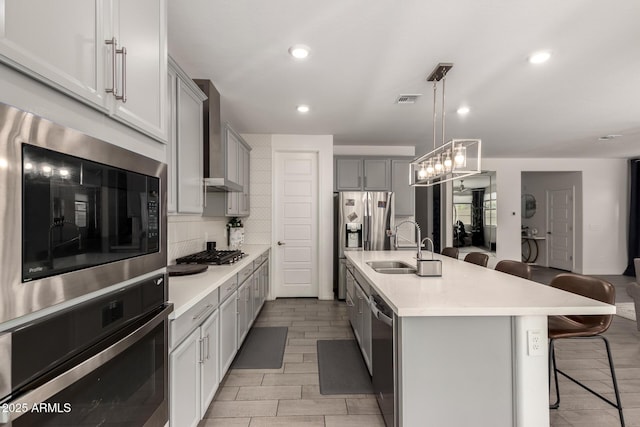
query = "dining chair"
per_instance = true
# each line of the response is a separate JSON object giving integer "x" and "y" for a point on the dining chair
{"x": 450, "y": 252}
{"x": 579, "y": 327}
{"x": 477, "y": 258}
{"x": 515, "y": 268}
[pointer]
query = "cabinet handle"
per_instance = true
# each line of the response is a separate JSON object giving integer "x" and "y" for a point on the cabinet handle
{"x": 208, "y": 349}
{"x": 200, "y": 342}
{"x": 123, "y": 97}
{"x": 113, "y": 88}
{"x": 203, "y": 311}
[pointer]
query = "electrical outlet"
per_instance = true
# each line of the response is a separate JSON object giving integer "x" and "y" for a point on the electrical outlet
{"x": 535, "y": 343}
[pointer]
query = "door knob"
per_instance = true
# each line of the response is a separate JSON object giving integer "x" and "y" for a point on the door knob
{"x": 280, "y": 243}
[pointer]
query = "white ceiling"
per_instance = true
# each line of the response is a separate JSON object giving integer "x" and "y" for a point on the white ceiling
{"x": 364, "y": 53}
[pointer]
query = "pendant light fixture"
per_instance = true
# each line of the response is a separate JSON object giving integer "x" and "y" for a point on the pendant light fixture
{"x": 451, "y": 160}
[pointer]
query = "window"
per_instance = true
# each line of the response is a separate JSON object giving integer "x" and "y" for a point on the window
{"x": 490, "y": 209}
{"x": 463, "y": 213}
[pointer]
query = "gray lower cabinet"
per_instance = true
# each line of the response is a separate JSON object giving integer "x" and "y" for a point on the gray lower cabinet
{"x": 205, "y": 339}
{"x": 209, "y": 378}
{"x": 194, "y": 374}
{"x": 228, "y": 342}
{"x": 184, "y": 365}
{"x": 245, "y": 313}
{"x": 359, "y": 312}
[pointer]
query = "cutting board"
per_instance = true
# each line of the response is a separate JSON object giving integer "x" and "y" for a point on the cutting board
{"x": 186, "y": 269}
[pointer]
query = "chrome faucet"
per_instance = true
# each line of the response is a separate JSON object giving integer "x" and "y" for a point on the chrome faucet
{"x": 395, "y": 244}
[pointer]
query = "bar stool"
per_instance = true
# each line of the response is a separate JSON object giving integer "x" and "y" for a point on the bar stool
{"x": 582, "y": 327}
{"x": 515, "y": 268}
{"x": 477, "y": 258}
{"x": 450, "y": 252}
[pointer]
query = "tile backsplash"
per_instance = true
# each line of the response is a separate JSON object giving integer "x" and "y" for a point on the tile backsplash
{"x": 188, "y": 234}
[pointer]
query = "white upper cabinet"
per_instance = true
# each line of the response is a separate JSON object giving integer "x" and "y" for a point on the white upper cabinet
{"x": 59, "y": 42}
{"x": 78, "y": 47}
{"x": 140, "y": 27}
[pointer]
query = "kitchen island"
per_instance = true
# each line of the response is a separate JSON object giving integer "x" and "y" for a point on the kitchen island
{"x": 470, "y": 346}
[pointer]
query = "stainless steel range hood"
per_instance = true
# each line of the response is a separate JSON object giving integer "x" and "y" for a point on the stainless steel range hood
{"x": 215, "y": 167}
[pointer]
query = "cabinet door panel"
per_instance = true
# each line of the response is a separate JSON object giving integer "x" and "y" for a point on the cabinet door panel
{"x": 140, "y": 27}
{"x": 233, "y": 146}
{"x": 189, "y": 136}
{"x": 348, "y": 174}
{"x": 184, "y": 365}
{"x": 377, "y": 175}
{"x": 403, "y": 192}
{"x": 228, "y": 341}
{"x": 209, "y": 373}
{"x": 57, "y": 42}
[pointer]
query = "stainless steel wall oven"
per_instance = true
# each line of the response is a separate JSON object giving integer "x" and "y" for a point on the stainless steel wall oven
{"x": 100, "y": 362}
{"x": 77, "y": 214}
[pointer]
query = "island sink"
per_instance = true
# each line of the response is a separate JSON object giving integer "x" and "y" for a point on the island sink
{"x": 391, "y": 267}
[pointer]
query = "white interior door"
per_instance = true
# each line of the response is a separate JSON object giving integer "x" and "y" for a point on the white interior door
{"x": 296, "y": 224}
{"x": 560, "y": 228}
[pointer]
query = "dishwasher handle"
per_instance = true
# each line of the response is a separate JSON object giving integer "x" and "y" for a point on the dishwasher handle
{"x": 375, "y": 310}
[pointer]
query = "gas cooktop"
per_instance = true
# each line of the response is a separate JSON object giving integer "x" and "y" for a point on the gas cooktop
{"x": 212, "y": 257}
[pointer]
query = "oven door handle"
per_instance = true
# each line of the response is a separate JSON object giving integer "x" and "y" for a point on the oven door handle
{"x": 59, "y": 383}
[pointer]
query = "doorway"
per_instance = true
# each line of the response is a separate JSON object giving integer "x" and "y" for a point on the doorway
{"x": 475, "y": 219}
{"x": 296, "y": 224}
{"x": 551, "y": 223}
{"x": 560, "y": 228}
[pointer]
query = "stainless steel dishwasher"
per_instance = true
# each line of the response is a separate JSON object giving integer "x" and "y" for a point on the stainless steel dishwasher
{"x": 383, "y": 357}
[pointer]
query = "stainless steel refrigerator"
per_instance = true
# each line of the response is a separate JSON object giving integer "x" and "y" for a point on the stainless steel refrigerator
{"x": 362, "y": 219}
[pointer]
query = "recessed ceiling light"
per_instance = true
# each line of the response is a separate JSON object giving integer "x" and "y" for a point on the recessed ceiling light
{"x": 540, "y": 57}
{"x": 302, "y": 108}
{"x": 463, "y": 110}
{"x": 299, "y": 51}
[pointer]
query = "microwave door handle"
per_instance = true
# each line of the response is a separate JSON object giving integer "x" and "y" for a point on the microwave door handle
{"x": 62, "y": 381}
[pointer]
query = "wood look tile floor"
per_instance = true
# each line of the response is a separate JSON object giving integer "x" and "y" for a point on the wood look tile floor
{"x": 290, "y": 396}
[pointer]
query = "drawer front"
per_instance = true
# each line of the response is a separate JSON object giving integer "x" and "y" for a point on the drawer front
{"x": 192, "y": 318}
{"x": 245, "y": 273}
{"x": 228, "y": 287}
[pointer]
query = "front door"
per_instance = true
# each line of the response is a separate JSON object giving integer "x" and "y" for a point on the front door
{"x": 296, "y": 224}
{"x": 560, "y": 228}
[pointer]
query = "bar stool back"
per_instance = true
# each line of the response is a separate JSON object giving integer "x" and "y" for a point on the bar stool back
{"x": 583, "y": 327}
{"x": 450, "y": 252}
{"x": 477, "y": 258}
{"x": 515, "y": 268}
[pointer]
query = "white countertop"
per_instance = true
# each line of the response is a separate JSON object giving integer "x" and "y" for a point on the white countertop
{"x": 466, "y": 289}
{"x": 185, "y": 291}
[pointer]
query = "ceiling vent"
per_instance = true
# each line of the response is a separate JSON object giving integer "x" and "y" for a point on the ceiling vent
{"x": 408, "y": 98}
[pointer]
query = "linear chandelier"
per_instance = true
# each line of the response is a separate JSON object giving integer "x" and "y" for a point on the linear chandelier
{"x": 451, "y": 160}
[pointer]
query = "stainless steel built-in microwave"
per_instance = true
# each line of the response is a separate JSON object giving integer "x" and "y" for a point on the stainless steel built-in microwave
{"x": 77, "y": 214}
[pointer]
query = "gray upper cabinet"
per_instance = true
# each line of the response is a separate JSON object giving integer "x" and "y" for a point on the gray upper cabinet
{"x": 404, "y": 193}
{"x": 184, "y": 148}
{"x": 348, "y": 174}
{"x": 377, "y": 175}
{"x": 358, "y": 174}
